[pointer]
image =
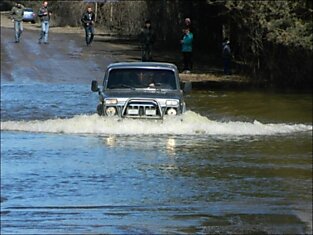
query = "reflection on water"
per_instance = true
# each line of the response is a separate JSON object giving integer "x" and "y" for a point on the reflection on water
{"x": 155, "y": 184}
{"x": 170, "y": 146}
{"x": 110, "y": 141}
{"x": 71, "y": 171}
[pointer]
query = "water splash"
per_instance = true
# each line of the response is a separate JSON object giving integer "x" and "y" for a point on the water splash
{"x": 190, "y": 123}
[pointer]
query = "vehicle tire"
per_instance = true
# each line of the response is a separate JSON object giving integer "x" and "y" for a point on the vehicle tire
{"x": 100, "y": 110}
{"x": 33, "y": 22}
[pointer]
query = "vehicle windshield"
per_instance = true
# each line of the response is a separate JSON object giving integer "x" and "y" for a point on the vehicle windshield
{"x": 141, "y": 78}
{"x": 28, "y": 9}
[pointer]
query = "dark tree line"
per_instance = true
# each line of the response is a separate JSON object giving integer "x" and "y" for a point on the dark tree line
{"x": 272, "y": 41}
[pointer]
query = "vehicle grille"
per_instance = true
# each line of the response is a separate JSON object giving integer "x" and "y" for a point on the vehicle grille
{"x": 142, "y": 109}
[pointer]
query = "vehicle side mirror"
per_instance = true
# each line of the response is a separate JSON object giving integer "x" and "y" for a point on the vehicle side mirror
{"x": 94, "y": 86}
{"x": 187, "y": 87}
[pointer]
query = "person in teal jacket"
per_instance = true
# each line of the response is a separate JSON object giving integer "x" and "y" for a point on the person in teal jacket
{"x": 186, "y": 49}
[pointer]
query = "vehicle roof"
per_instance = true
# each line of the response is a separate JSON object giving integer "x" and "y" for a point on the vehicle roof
{"x": 142, "y": 65}
{"x": 28, "y": 9}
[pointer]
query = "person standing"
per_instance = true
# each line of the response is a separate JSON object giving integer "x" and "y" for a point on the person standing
{"x": 88, "y": 20}
{"x": 187, "y": 49}
{"x": 147, "y": 39}
{"x": 44, "y": 14}
{"x": 17, "y": 13}
{"x": 187, "y": 23}
{"x": 227, "y": 56}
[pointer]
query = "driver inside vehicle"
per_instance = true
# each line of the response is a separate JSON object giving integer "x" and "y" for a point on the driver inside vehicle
{"x": 155, "y": 79}
{"x": 143, "y": 79}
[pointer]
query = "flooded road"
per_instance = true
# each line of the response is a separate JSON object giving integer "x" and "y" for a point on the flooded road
{"x": 236, "y": 162}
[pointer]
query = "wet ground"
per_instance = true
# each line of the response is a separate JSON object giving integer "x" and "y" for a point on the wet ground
{"x": 64, "y": 59}
{"x": 236, "y": 162}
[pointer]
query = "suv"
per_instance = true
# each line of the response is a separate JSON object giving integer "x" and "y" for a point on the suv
{"x": 29, "y": 15}
{"x": 140, "y": 90}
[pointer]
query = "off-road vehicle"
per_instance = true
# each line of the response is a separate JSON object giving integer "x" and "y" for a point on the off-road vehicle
{"x": 140, "y": 90}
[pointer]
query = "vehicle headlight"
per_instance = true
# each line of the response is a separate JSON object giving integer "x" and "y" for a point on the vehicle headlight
{"x": 110, "y": 111}
{"x": 111, "y": 101}
{"x": 172, "y": 102}
{"x": 171, "y": 112}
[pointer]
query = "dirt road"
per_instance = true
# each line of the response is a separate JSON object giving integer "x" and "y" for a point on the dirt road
{"x": 65, "y": 59}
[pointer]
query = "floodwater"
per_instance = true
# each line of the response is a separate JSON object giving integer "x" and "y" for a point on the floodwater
{"x": 236, "y": 162}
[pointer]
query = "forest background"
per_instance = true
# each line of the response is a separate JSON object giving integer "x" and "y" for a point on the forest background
{"x": 272, "y": 41}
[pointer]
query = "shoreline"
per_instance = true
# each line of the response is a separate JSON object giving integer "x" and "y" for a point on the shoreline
{"x": 127, "y": 49}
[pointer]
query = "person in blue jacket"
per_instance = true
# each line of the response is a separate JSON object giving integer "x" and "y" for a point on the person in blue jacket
{"x": 186, "y": 49}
